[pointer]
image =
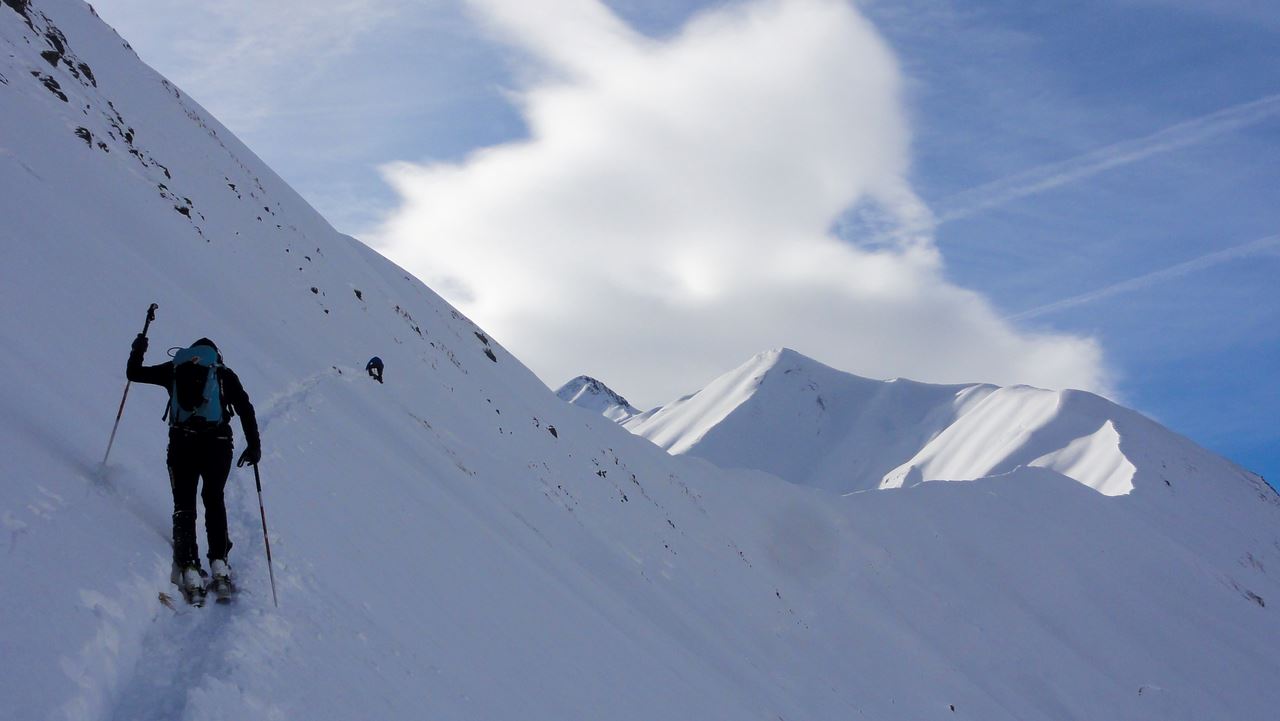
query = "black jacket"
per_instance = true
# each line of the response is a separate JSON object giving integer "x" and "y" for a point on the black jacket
{"x": 233, "y": 393}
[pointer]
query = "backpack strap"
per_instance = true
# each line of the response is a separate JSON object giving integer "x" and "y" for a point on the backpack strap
{"x": 228, "y": 410}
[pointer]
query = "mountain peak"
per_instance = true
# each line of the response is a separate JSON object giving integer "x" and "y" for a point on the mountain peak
{"x": 790, "y": 362}
{"x": 783, "y": 356}
{"x": 587, "y": 392}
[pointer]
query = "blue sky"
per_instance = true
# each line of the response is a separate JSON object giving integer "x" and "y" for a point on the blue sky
{"x": 1198, "y": 351}
{"x": 1121, "y": 156}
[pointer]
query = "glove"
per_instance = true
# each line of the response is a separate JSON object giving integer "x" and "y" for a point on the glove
{"x": 140, "y": 344}
{"x": 252, "y": 454}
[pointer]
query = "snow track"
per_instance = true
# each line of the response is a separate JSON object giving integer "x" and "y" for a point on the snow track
{"x": 190, "y": 655}
{"x": 179, "y": 651}
{"x": 189, "y": 658}
{"x": 191, "y": 661}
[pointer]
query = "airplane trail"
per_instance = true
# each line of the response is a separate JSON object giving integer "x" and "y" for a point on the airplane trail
{"x": 1148, "y": 279}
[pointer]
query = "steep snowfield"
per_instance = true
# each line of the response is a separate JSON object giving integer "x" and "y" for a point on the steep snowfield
{"x": 587, "y": 392}
{"x": 460, "y": 544}
{"x": 1072, "y": 432}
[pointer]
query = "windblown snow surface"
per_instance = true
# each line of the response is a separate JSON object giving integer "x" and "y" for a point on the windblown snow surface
{"x": 460, "y": 544}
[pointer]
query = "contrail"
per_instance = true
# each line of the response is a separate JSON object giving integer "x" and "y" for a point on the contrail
{"x": 1037, "y": 180}
{"x": 1143, "y": 281}
{"x": 1053, "y": 175}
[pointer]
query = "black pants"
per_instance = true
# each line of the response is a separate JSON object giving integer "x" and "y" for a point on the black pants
{"x": 192, "y": 457}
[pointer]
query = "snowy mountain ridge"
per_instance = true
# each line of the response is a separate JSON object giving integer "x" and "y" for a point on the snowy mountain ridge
{"x": 789, "y": 415}
{"x": 587, "y": 392}
{"x": 459, "y": 543}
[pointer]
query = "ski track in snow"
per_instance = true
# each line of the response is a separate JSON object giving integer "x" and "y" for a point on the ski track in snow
{"x": 178, "y": 652}
{"x": 187, "y": 650}
{"x": 283, "y": 404}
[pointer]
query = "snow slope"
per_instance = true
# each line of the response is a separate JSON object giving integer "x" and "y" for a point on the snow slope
{"x": 587, "y": 392}
{"x": 459, "y": 543}
{"x": 1075, "y": 433}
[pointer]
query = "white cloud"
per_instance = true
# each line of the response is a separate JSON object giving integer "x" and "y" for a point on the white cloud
{"x": 670, "y": 212}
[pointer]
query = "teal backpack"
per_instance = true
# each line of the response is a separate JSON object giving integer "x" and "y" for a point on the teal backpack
{"x": 195, "y": 401}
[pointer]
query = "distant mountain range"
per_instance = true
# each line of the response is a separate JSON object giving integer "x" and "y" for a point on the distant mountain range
{"x": 811, "y": 424}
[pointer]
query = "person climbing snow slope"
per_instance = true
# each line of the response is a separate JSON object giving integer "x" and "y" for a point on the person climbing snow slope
{"x": 203, "y": 395}
{"x": 374, "y": 368}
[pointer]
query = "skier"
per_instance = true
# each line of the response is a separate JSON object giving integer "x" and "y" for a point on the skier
{"x": 203, "y": 395}
{"x": 374, "y": 368}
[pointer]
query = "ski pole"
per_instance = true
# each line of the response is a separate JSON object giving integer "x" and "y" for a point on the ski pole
{"x": 270, "y": 571}
{"x": 151, "y": 315}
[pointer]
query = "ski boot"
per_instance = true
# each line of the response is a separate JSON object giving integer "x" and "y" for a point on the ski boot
{"x": 190, "y": 581}
{"x": 222, "y": 587}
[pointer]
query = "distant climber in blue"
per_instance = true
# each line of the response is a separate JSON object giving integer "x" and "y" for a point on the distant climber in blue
{"x": 374, "y": 368}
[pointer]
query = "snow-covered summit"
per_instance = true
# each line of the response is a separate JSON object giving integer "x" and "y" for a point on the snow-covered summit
{"x": 792, "y": 416}
{"x": 587, "y": 392}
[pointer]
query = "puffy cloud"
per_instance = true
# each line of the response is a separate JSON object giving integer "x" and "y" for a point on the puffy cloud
{"x": 671, "y": 210}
